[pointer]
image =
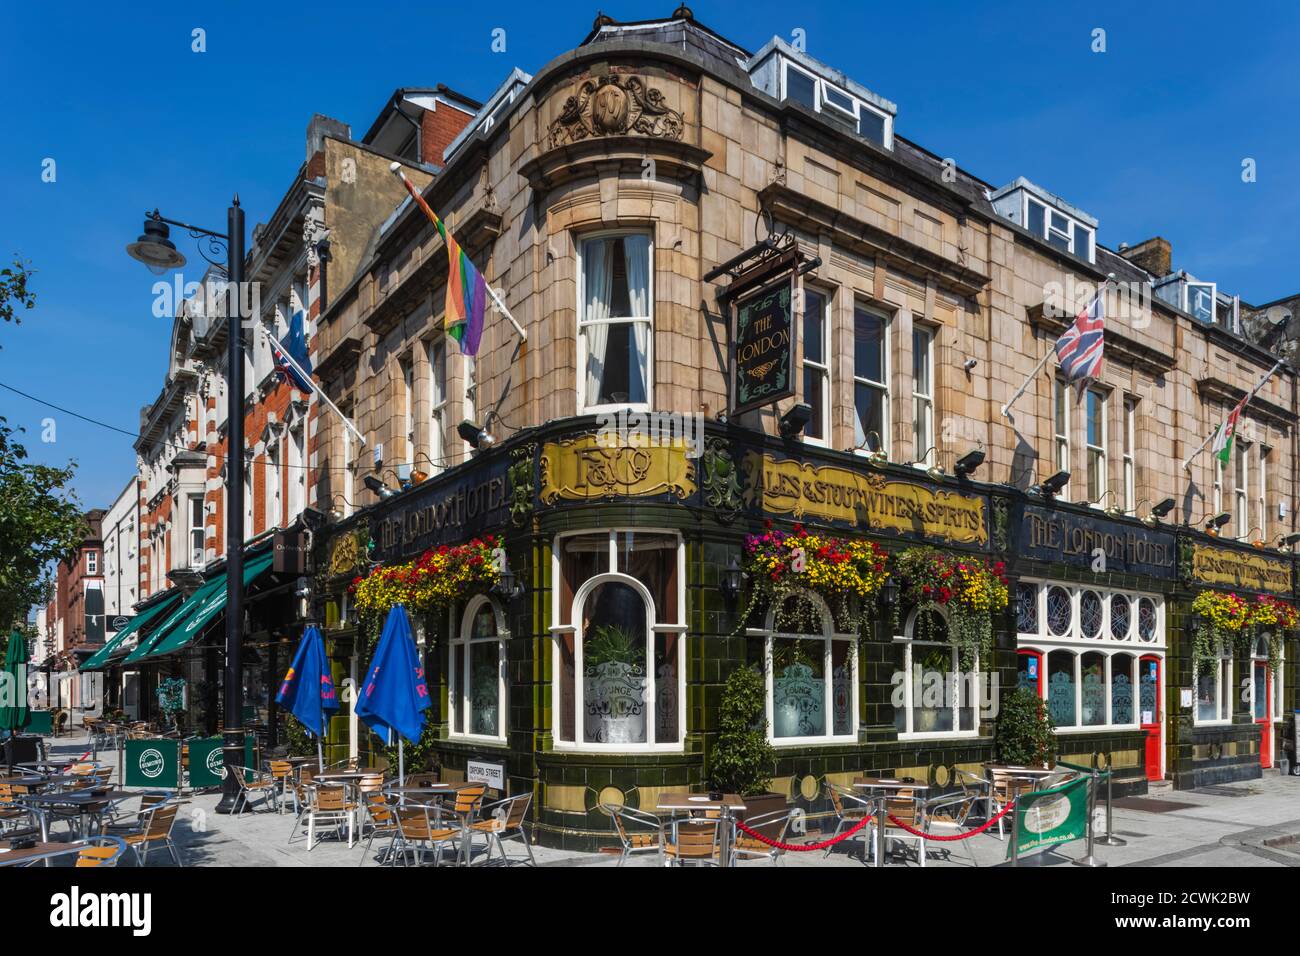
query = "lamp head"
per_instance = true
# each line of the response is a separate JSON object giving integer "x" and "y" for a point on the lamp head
{"x": 795, "y": 420}
{"x": 154, "y": 248}
{"x": 1053, "y": 485}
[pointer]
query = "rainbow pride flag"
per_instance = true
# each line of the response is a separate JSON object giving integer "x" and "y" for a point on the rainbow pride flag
{"x": 466, "y": 291}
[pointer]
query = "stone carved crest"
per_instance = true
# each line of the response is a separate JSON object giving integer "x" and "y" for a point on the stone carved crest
{"x": 614, "y": 105}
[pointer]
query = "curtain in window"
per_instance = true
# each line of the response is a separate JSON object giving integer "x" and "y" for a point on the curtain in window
{"x": 598, "y": 270}
{"x": 636, "y": 252}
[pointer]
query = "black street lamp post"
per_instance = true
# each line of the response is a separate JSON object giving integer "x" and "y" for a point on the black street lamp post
{"x": 156, "y": 251}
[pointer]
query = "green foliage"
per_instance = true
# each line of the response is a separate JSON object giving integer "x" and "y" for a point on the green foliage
{"x": 301, "y": 743}
{"x": 611, "y": 644}
{"x": 742, "y": 761}
{"x": 14, "y": 291}
{"x": 417, "y": 757}
{"x": 1024, "y": 731}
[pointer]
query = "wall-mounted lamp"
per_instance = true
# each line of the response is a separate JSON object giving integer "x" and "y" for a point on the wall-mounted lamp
{"x": 889, "y": 592}
{"x": 877, "y": 457}
{"x": 731, "y": 579}
{"x": 935, "y": 471}
{"x": 1288, "y": 540}
{"x": 376, "y": 484}
{"x": 479, "y": 438}
{"x": 968, "y": 462}
{"x": 795, "y": 420}
{"x": 336, "y": 513}
{"x": 1213, "y": 524}
{"x": 1053, "y": 485}
{"x": 508, "y": 585}
{"x": 418, "y": 475}
{"x": 1114, "y": 511}
{"x": 1257, "y": 542}
{"x": 1159, "y": 511}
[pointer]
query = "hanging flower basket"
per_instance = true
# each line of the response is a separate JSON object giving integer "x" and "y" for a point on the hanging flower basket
{"x": 782, "y": 568}
{"x": 1225, "y": 620}
{"x": 969, "y": 590}
{"x": 1273, "y": 617}
{"x": 438, "y": 578}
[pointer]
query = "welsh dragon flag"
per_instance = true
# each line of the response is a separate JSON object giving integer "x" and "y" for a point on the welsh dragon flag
{"x": 1227, "y": 431}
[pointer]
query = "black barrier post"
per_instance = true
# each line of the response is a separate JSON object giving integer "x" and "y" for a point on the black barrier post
{"x": 1015, "y": 833}
{"x": 880, "y": 832}
{"x": 1110, "y": 839}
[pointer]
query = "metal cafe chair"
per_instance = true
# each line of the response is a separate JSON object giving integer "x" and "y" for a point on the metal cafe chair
{"x": 774, "y": 825}
{"x": 330, "y": 805}
{"x": 950, "y": 811}
{"x": 101, "y": 851}
{"x": 907, "y": 807}
{"x": 498, "y": 820}
{"x": 695, "y": 841}
{"x": 382, "y": 817}
{"x": 156, "y": 823}
{"x": 850, "y": 808}
{"x": 637, "y": 830}
{"x": 262, "y": 785}
{"x": 464, "y": 808}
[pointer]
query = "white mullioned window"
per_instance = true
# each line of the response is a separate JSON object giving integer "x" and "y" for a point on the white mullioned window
{"x": 816, "y": 364}
{"x": 92, "y": 562}
{"x": 923, "y": 395}
{"x": 870, "y": 380}
{"x": 1086, "y": 652}
{"x": 1240, "y": 486}
{"x": 1096, "y": 444}
{"x": 1060, "y": 230}
{"x": 618, "y": 650}
{"x": 1261, "y": 499}
{"x": 1214, "y": 689}
{"x": 811, "y": 678}
{"x": 932, "y": 696}
{"x": 615, "y": 321}
{"x": 407, "y": 453}
{"x": 477, "y": 671}
{"x": 1061, "y": 425}
{"x": 1130, "y": 455}
{"x": 197, "y": 550}
{"x": 437, "y": 404}
{"x": 822, "y": 96}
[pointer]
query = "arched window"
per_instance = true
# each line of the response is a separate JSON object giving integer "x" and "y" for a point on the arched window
{"x": 477, "y": 672}
{"x": 811, "y": 681}
{"x": 932, "y": 697}
{"x": 619, "y": 655}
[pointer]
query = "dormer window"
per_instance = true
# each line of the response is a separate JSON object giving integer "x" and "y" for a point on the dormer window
{"x": 1199, "y": 300}
{"x": 1058, "y": 229}
{"x": 831, "y": 101}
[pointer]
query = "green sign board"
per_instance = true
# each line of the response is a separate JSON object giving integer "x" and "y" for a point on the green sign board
{"x": 764, "y": 348}
{"x": 1049, "y": 817}
{"x": 207, "y": 761}
{"x": 153, "y": 763}
{"x": 41, "y": 722}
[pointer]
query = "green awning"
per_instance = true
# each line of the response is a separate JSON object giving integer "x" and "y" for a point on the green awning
{"x": 205, "y": 604}
{"x": 102, "y": 656}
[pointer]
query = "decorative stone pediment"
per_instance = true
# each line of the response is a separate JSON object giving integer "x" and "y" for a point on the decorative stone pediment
{"x": 614, "y": 105}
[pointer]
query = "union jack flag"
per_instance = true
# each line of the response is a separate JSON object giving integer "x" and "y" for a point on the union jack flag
{"x": 1079, "y": 348}
{"x": 295, "y": 345}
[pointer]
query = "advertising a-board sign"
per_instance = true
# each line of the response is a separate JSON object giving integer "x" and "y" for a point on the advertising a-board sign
{"x": 764, "y": 348}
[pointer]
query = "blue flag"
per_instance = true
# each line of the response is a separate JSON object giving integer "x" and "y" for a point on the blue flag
{"x": 295, "y": 344}
{"x": 307, "y": 691}
{"x": 394, "y": 696}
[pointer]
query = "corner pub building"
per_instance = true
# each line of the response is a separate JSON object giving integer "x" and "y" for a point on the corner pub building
{"x": 619, "y": 199}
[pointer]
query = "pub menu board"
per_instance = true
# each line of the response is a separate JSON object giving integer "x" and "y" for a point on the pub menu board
{"x": 764, "y": 348}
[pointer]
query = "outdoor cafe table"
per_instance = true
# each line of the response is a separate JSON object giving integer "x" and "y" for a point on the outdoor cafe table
{"x": 878, "y": 790}
{"x": 41, "y": 851}
{"x": 81, "y": 800}
{"x": 730, "y": 802}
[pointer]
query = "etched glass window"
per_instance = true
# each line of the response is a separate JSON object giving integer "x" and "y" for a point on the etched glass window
{"x": 1090, "y": 613}
{"x": 1027, "y": 608}
{"x": 1147, "y": 619}
{"x": 1093, "y": 697}
{"x": 475, "y": 685}
{"x": 1058, "y": 611}
{"x": 1060, "y": 688}
{"x": 1120, "y": 616}
{"x": 1121, "y": 689}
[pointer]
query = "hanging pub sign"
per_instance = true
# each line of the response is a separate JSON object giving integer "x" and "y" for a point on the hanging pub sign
{"x": 290, "y": 553}
{"x": 1223, "y": 567}
{"x": 1095, "y": 543}
{"x": 764, "y": 347}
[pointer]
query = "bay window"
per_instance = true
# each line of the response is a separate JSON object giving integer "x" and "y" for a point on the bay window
{"x": 811, "y": 682}
{"x": 618, "y": 628}
{"x": 477, "y": 672}
{"x": 615, "y": 321}
{"x": 870, "y": 380}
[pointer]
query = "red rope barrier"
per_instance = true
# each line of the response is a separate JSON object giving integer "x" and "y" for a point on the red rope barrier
{"x": 808, "y": 847}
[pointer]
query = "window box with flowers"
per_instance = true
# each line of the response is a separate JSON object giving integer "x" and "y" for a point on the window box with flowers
{"x": 966, "y": 591}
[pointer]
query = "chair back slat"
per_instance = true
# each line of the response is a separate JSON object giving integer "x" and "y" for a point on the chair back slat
{"x": 330, "y": 799}
{"x": 468, "y": 798}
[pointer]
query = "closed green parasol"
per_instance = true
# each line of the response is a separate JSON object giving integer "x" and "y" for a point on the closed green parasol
{"x": 14, "y": 714}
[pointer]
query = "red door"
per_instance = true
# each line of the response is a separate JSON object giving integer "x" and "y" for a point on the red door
{"x": 1262, "y": 704}
{"x": 1149, "y": 708}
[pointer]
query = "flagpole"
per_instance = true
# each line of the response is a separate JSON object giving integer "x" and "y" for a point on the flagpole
{"x": 1006, "y": 409}
{"x": 316, "y": 389}
{"x": 433, "y": 218}
{"x": 1244, "y": 402}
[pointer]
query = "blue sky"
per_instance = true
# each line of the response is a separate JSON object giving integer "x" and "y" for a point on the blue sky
{"x": 1148, "y": 137}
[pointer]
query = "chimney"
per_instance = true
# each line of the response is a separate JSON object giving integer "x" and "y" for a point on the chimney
{"x": 1155, "y": 255}
{"x": 320, "y": 127}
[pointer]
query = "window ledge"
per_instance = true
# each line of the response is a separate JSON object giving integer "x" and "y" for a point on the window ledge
{"x": 941, "y": 735}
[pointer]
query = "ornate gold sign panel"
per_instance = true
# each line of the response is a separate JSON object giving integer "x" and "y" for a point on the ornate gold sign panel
{"x": 580, "y": 469}
{"x": 1255, "y": 572}
{"x": 866, "y": 501}
{"x": 345, "y": 554}
{"x": 615, "y": 105}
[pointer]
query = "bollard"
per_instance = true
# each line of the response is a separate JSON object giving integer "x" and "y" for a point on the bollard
{"x": 880, "y": 832}
{"x": 1015, "y": 836}
{"x": 1110, "y": 839}
{"x": 1089, "y": 859}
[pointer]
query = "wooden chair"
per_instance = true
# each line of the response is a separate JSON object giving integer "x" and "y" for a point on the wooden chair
{"x": 262, "y": 785}
{"x": 694, "y": 841}
{"x": 906, "y": 807}
{"x": 155, "y": 826}
{"x": 303, "y": 789}
{"x": 1005, "y": 786}
{"x": 638, "y": 831}
{"x": 498, "y": 820}
{"x": 463, "y": 807}
{"x": 412, "y": 833}
{"x": 101, "y": 851}
{"x": 281, "y": 772}
{"x": 13, "y": 812}
{"x": 331, "y": 805}
{"x": 949, "y": 812}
